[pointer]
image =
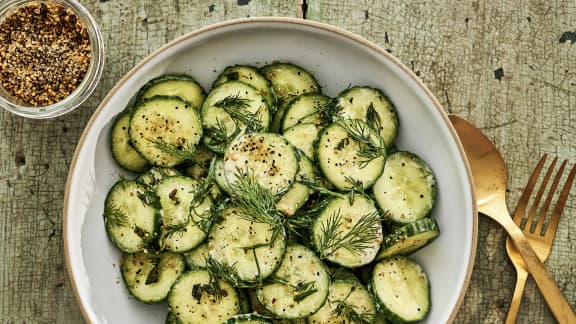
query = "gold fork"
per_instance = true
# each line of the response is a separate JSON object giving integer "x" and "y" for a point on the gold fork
{"x": 540, "y": 241}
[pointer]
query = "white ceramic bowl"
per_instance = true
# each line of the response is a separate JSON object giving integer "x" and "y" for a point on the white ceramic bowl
{"x": 338, "y": 59}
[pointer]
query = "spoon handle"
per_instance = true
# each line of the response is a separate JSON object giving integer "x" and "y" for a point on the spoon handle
{"x": 545, "y": 282}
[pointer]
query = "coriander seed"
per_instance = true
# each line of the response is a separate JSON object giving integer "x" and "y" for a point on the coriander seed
{"x": 45, "y": 53}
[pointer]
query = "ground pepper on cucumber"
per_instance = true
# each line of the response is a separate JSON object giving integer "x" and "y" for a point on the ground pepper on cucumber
{"x": 265, "y": 201}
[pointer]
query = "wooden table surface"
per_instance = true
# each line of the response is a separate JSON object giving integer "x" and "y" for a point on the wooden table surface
{"x": 508, "y": 66}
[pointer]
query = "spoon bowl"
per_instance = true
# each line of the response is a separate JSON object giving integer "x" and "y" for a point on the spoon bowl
{"x": 489, "y": 177}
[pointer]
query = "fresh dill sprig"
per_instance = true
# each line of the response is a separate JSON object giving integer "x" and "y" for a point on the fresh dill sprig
{"x": 219, "y": 134}
{"x": 115, "y": 216}
{"x": 343, "y": 309}
{"x": 153, "y": 275}
{"x": 372, "y": 145}
{"x": 225, "y": 272}
{"x": 256, "y": 203}
{"x": 315, "y": 186}
{"x": 237, "y": 108}
{"x": 302, "y": 289}
{"x": 373, "y": 119}
{"x": 356, "y": 239}
{"x": 181, "y": 151}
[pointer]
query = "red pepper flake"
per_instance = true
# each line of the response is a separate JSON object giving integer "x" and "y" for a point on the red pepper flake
{"x": 45, "y": 53}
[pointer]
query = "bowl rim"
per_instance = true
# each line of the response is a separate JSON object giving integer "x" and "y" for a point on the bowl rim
{"x": 285, "y": 20}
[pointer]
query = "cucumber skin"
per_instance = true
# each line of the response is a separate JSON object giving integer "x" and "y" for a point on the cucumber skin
{"x": 382, "y": 309}
{"x": 149, "y": 243}
{"x": 243, "y": 318}
{"x": 418, "y": 227}
{"x": 167, "y": 77}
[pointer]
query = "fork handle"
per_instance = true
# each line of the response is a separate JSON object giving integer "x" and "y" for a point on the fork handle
{"x": 521, "y": 276}
{"x": 544, "y": 280}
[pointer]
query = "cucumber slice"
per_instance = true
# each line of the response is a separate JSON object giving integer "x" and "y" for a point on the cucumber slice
{"x": 288, "y": 81}
{"x": 372, "y": 106}
{"x": 306, "y": 108}
{"x": 299, "y": 286}
{"x": 165, "y": 130}
{"x": 350, "y": 154}
{"x": 149, "y": 277}
{"x": 185, "y": 213}
{"x": 153, "y": 176}
{"x": 123, "y": 151}
{"x": 409, "y": 238}
{"x": 348, "y": 231}
{"x": 247, "y": 249}
{"x": 406, "y": 191}
{"x": 171, "y": 319}
{"x": 298, "y": 194}
{"x": 197, "y": 257}
{"x": 303, "y": 137}
{"x": 250, "y": 75}
{"x": 266, "y": 157}
{"x": 179, "y": 85}
{"x": 131, "y": 216}
{"x": 231, "y": 109}
{"x": 194, "y": 298}
{"x": 249, "y": 319}
{"x": 401, "y": 288}
{"x": 200, "y": 164}
{"x": 348, "y": 302}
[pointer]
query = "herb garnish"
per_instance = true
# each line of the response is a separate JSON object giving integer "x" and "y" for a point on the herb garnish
{"x": 356, "y": 239}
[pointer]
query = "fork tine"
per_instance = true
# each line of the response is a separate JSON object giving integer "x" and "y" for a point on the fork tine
{"x": 548, "y": 201}
{"x": 523, "y": 202}
{"x": 551, "y": 228}
{"x": 538, "y": 197}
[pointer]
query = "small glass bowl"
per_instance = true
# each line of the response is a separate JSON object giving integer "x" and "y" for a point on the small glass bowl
{"x": 90, "y": 79}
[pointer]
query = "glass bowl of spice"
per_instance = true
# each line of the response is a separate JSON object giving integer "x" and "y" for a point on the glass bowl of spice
{"x": 51, "y": 56}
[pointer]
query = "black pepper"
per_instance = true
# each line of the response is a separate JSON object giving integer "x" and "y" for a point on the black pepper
{"x": 45, "y": 53}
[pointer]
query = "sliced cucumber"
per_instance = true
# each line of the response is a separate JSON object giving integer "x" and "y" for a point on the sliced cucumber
{"x": 298, "y": 194}
{"x": 123, "y": 151}
{"x": 350, "y": 154}
{"x": 348, "y": 302}
{"x": 288, "y": 81}
{"x": 153, "y": 176}
{"x": 372, "y": 106}
{"x": 307, "y": 108}
{"x": 231, "y": 109}
{"x": 165, "y": 130}
{"x": 197, "y": 297}
{"x": 247, "y": 249}
{"x": 197, "y": 257}
{"x": 299, "y": 287}
{"x": 401, "y": 288}
{"x": 267, "y": 157}
{"x": 250, "y": 75}
{"x": 179, "y": 85}
{"x": 200, "y": 164}
{"x": 131, "y": 216}
{"x": 171, "y": 319}
{"x": 303, "y": 137}
{"x": 220, "y": 177}
{"x": 249, "y": 319}
{"x": 348, "y": 231}
{"x": 406, "y": 190}
{"x": 149, "y": 277}
{"x": 409, "y": 238}
{"x": 185, "y": 213}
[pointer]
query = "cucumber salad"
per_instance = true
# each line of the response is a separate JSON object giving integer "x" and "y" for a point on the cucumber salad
{"x": 263, "y": 200}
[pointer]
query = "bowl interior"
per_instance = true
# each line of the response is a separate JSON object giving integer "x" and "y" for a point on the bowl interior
{"x": 337, "y": 59}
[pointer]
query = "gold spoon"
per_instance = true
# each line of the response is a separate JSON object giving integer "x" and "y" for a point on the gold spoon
{"x": 489, "y": 176}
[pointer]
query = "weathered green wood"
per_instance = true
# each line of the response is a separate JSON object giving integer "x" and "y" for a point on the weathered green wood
{"x": 35, "y": 155}
{"x": 456, "y": 47}
{"x": 505, "y": 66}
